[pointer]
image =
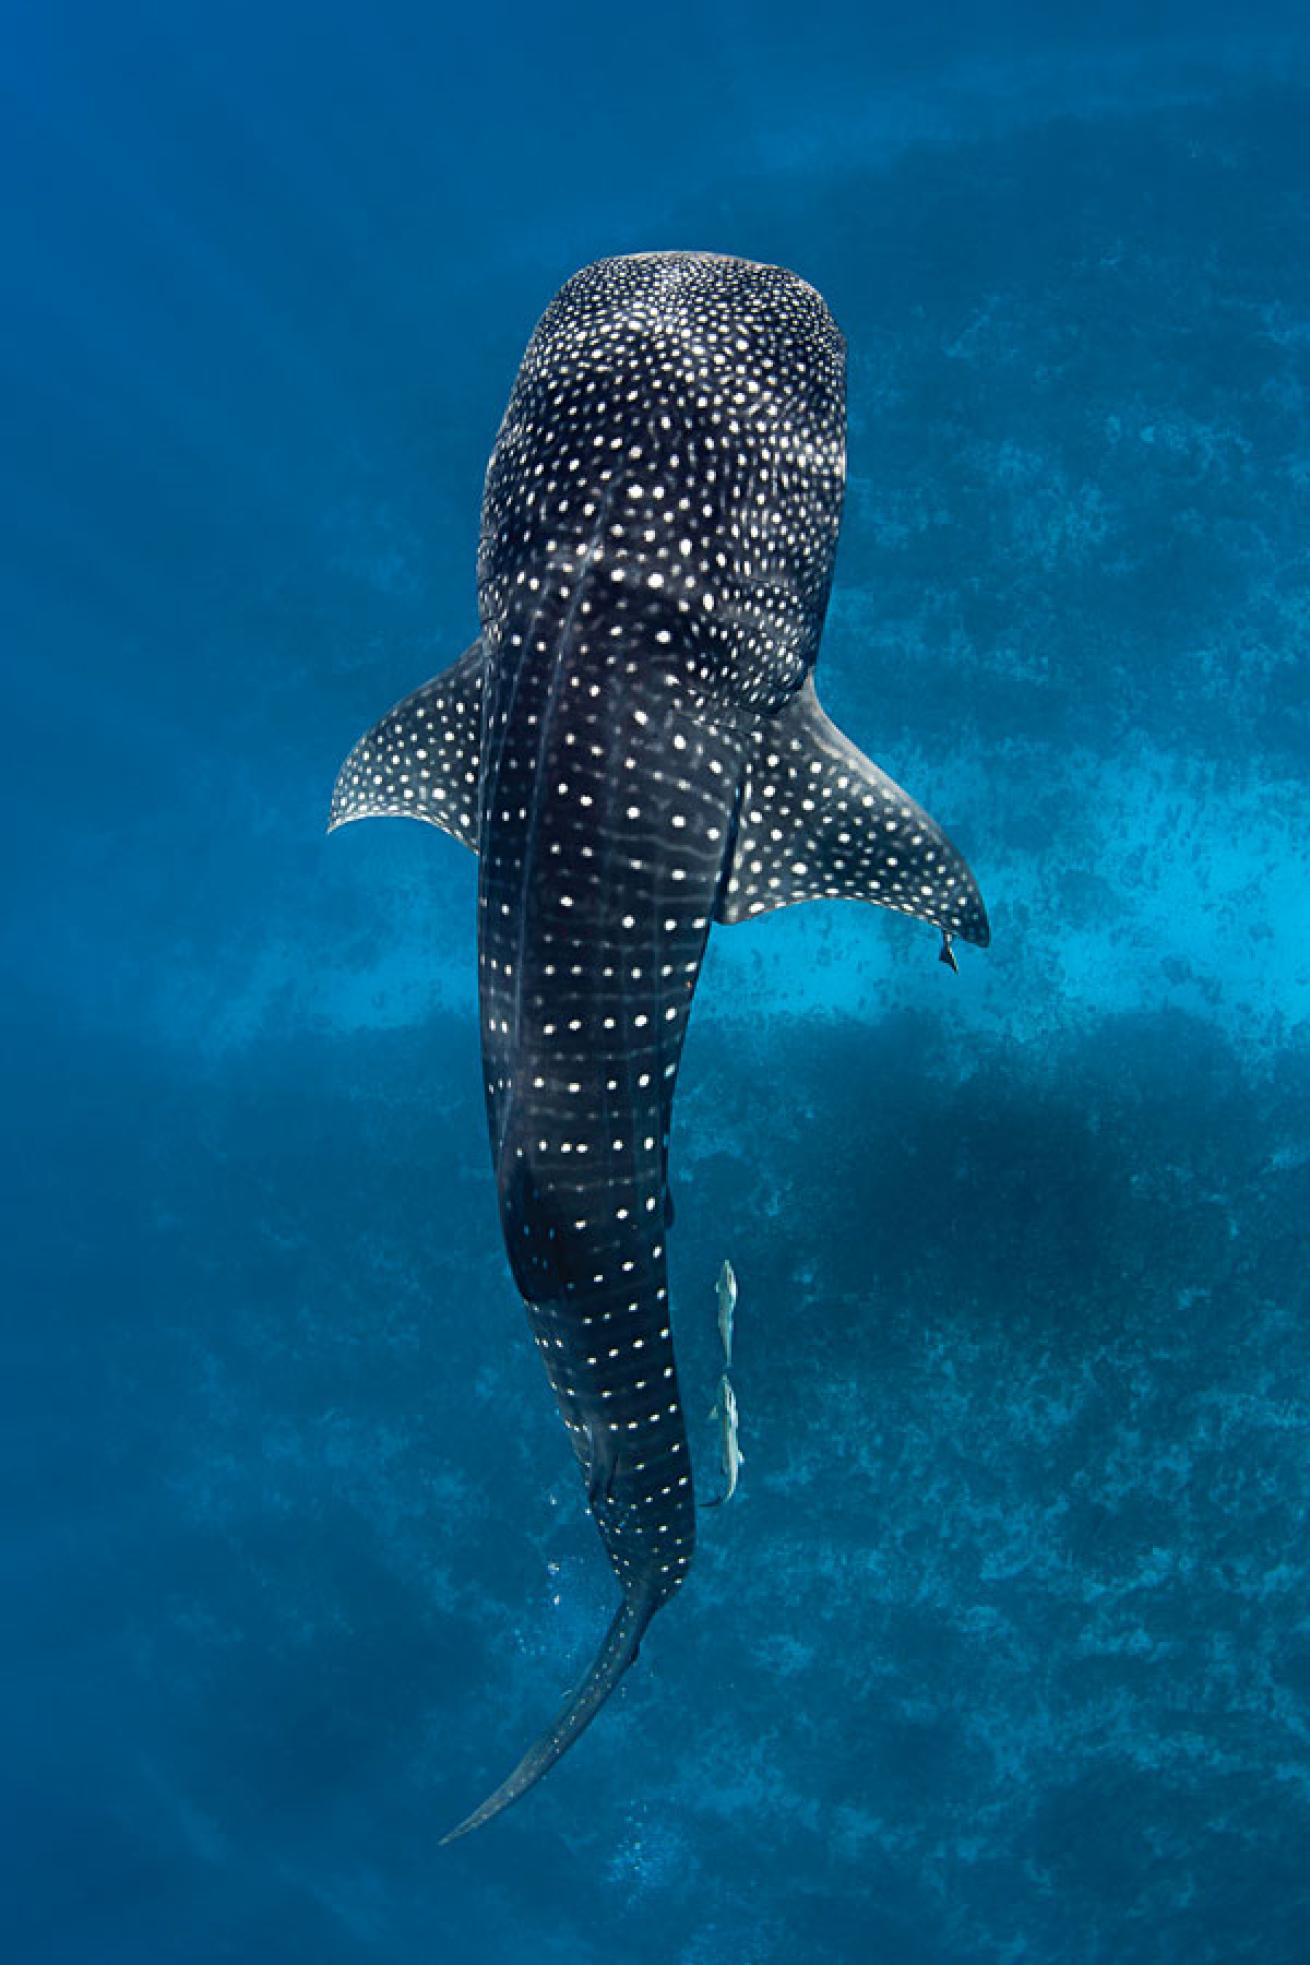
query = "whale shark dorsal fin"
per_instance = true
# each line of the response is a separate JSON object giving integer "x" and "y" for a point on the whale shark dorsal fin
{"x": 421, "y": 760}
{"x": 817, "y": 820}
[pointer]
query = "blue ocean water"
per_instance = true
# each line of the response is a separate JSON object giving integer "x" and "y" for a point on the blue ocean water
{"x": 1002, "y": 1652}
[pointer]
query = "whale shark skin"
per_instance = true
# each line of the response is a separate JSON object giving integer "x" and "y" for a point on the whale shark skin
{"x": 634, "y": 748}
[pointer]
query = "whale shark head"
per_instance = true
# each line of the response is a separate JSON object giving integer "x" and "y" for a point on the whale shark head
{"x": 634, "y": 749}
{"x": 679, "y": 419}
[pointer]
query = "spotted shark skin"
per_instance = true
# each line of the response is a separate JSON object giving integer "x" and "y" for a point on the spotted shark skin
{"x": 634, "y": 749}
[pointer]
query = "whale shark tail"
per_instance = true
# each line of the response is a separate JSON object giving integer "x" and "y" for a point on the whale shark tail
{"x": 619, "y": 1649}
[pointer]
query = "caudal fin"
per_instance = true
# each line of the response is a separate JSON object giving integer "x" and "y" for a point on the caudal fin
{"x": 622, "y": 1641}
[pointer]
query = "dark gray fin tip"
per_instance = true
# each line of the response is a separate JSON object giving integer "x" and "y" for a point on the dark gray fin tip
{"x": 946, "y": 954}
{"x": 617, "y": 1652}
{"x": 421, "y": 760}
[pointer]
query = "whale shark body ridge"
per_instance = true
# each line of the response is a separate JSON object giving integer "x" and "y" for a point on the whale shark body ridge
{"x": 634, "y": 749}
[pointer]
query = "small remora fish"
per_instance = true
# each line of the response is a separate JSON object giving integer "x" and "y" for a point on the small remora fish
{"x": 727, "y": 1289}
{"x": 725, "y": 1411}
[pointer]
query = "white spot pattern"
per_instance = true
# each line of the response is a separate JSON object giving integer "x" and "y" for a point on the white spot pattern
{"x": 658, "y": 530}
{"x": 634, "y": 748}
{"x": 421, "y": 761}
{"x": 819, "y": 821}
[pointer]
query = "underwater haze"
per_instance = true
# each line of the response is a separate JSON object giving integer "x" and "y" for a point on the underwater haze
{"x": 1001, "y": 1653}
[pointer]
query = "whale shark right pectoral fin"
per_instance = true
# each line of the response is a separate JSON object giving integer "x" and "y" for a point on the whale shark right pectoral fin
{"x": 818, "y": 820}
{"x": 421, "y": 760}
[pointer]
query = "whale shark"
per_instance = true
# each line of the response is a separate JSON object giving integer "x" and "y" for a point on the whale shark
{"x": 634, "y": 749}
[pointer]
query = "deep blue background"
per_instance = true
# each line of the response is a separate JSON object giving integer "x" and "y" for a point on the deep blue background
{"x": 1003, "y": 1652}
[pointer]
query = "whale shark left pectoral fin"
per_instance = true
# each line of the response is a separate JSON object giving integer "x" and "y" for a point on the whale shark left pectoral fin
{"x": 421, "y": 760}
{"x": 818, "y": 820}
